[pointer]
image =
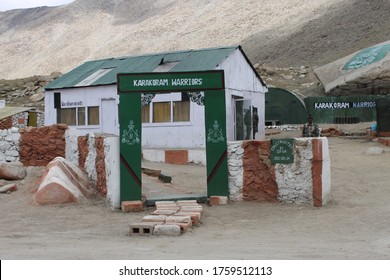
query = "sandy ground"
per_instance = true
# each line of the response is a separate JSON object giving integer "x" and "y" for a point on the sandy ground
{"x": 354, "y": 225}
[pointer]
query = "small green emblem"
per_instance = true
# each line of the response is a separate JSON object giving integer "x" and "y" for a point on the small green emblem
{"x": 367, "y": 57}
{"x": 130, "y": 136}
{"x": 215, "y": 134}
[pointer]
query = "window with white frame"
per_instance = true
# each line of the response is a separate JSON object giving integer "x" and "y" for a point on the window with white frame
{"x": 165, "y": 111}
{"x": 79, "y": 116}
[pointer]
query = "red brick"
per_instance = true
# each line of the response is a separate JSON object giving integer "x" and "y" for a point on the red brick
{"x": 218, "y": 200}
{"x": 195, "y": 216}
{"x": 132, "y": 206}
{"x": 176, "y": 156}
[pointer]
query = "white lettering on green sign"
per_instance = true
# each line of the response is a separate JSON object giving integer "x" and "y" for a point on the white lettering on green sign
{"x": 367, "y": 104}
{"x": 282, "y": 151}
{"x": 167, "y": 82}
{"x": 331, "y": 105}
{"x": 150, "y": 82}
{"x": 187, "y": 82}
{"x": 344, "y": 105}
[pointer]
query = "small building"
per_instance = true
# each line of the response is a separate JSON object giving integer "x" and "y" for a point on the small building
{"x": 86, "y": 98}
{"x": 19, "y": 117}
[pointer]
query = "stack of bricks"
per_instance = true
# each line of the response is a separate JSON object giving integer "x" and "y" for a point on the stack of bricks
{"x": 170, "y": 218}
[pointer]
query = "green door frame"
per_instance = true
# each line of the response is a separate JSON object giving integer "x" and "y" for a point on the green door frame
{"x": 130, "y": 88}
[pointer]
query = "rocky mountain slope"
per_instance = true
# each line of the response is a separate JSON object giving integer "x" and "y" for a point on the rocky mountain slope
{"x": 279, "y": 36}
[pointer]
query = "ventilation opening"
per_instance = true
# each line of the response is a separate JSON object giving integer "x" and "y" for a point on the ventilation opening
{"x": 346, "y": 119}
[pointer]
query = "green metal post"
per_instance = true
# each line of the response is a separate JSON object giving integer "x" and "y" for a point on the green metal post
{"x": 216, "y": 146}
{"x": 130, "y": 146}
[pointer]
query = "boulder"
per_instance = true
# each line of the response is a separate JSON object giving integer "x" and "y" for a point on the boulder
{"x": 63, "y": 182}
{"x": 12, "y": 171}
{"x": 37, "y": 97}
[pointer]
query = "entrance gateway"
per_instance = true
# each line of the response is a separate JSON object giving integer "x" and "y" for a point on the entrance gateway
{"x": 130, "y": 88}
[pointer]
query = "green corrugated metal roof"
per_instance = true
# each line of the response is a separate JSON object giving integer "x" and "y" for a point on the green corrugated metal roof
{"x": 191, "y": 60}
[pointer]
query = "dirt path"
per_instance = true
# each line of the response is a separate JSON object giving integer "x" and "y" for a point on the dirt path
{"x": 355, "y": 225}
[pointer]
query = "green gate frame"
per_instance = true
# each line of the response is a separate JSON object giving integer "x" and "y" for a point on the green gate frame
{"x": 130, "y": 88}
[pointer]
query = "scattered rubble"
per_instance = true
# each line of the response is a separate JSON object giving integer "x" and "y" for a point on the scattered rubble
{"x": 27, "y": 92}
{"x": 332, "y": 132}
{"x": 298, "y": 79}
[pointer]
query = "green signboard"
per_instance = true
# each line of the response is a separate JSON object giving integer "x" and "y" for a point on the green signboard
{"x": 367, "y": 56}
{"x": 171, "y": 81}
{"x": 282, "y": 151}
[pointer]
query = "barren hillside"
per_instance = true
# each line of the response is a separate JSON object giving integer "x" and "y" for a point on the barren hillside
{"x": 288, "y": 33}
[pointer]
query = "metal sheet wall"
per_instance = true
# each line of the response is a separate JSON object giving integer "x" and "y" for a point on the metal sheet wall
{"x": 383, "y": 116}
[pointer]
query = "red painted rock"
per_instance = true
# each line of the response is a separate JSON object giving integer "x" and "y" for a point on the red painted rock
{"x": 63, "y": 182}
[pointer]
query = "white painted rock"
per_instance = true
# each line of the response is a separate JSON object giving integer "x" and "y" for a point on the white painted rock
{"x": 12, "y": 171}
{"x": 63, "y": 182}
{"x": 8, "y": 188}
{"x": 169, "y": 230}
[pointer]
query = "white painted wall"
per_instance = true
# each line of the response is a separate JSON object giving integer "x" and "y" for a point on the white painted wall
{"x": 240, "y": 80}
{"x": 326, "y": 175}
{"x": 111, "y": 151}
{"x": 88, "y": 96}
{"x": 294, "y": 180}
{"x": 178, "y": 135}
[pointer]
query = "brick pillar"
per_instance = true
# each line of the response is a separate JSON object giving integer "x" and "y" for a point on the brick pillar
{"x": 259, "y": 175}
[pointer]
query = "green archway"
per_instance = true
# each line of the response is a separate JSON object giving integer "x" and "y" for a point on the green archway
{"x": 130, "y": 88}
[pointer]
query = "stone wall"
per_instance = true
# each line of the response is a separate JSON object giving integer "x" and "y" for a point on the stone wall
{"x": 20, "y": 120}
{"x": 98, "y": 156}
{"x": 9, "y": 145}
{"x": 252, "y": 177}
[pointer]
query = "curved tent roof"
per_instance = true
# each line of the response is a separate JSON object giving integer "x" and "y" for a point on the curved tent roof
{"x": 284, "y": 106}
{"x": 366, "y": 72}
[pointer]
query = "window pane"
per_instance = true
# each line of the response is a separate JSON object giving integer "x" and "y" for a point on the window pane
{"x": 93, "y": 115}
{"x": 181, "y": 111}
{"x": 145, "y": 114}
{"x": 162, "y": 112}
{"x": 67, "y": 116}
{"x": 81, "y": 115}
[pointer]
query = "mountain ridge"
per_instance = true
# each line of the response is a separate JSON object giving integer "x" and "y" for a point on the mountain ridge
{"x": 39, "y": 41}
